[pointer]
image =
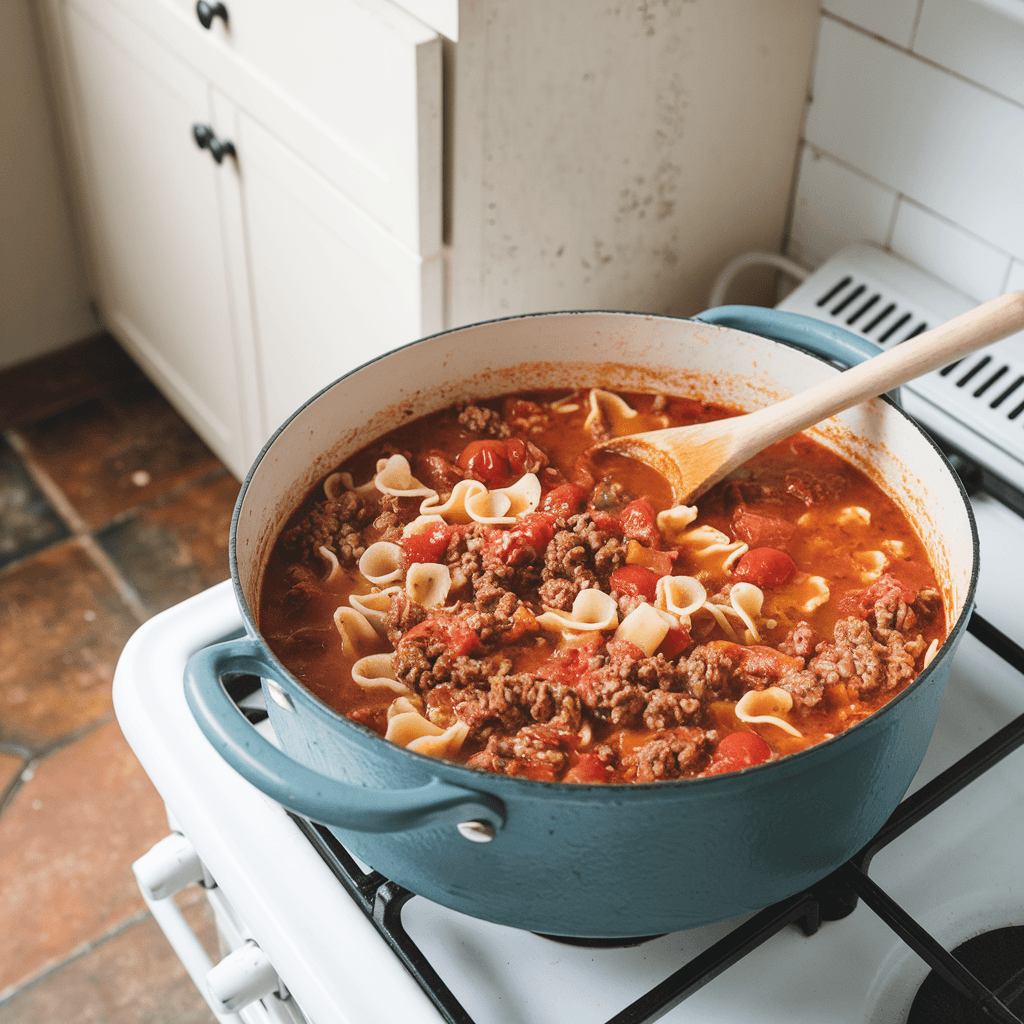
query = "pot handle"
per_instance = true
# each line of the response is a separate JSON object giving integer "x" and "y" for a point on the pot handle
{"x": 300, "y": 789}
{"x": 824, "y": 339}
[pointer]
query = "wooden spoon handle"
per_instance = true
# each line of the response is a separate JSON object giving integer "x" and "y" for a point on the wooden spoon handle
{"x": 938, "y": 347}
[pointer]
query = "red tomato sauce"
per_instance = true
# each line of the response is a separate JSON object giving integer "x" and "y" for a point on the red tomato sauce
{"x": 514, "y": 670}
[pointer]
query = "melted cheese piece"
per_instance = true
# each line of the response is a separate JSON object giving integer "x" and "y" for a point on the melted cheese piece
{"x": 593, "y": 610}
{"x": 381, "y": 563}
{"x": 855, "y": 515}
{"x": 646, "y": 627}
{"x": 819, "y": 593}
{"x": 872, "y": 562}
{"x": 765, "y": 706}
{"x": 376, "y": 671}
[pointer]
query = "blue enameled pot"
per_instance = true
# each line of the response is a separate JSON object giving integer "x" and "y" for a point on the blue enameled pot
{"x": 602, "y": 861}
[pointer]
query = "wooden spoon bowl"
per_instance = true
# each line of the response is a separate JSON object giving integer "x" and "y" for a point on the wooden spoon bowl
{"x": 696, "y": 457}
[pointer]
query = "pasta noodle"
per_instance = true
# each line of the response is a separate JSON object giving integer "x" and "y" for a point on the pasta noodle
{"x": 499, "y": 595}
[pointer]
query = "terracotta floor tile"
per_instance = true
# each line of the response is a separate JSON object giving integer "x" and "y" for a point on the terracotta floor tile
{"x": 10, "y": 765}
{"x": 62, "y": 628}
{"x": 175, "y": 550}
{"x": 131, "y": 977}
{"x": 114, "y": 453}
{"x": 27, "y": 521}
{"x": 45, "y": 386}
{"x": 67, "y": 843}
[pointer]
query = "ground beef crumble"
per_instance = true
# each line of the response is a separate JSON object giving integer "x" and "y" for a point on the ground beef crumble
{"x": 528, "y": 717}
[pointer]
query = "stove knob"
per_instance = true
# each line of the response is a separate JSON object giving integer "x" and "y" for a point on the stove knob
{"x": 241, "y": 978}
{"x": 169, "y": 866}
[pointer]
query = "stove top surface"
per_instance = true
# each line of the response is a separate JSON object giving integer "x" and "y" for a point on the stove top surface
{"x": 956, "y": 872}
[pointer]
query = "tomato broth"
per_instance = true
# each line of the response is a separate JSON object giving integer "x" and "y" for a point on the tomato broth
{"x": 478, "y": 585}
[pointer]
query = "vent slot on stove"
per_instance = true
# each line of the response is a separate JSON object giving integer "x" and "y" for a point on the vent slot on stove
{"x": 848, "y": 300}
{"x": 894, "y": 323}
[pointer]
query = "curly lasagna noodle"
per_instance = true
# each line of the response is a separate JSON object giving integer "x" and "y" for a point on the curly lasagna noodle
{"x": 474, "y": 586}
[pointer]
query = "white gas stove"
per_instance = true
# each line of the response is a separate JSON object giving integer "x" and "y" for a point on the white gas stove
{"x": 305, "y": 949}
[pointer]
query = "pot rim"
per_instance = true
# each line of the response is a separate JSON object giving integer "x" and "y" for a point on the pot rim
{"x": 859, "y": 731}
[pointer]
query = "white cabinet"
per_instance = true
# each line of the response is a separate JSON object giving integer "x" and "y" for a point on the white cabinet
{"x": 330, "y": 288}
{"x": 409, "y": 165}
{"x": 244, "y": 286}
{"x": 155, "y": 217}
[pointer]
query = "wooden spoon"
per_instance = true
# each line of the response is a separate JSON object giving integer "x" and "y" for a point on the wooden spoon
{"x": 694, "y": 458}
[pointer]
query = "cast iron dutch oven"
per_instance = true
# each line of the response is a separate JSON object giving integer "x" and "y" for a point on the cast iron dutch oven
{"x": 600, "y": 860}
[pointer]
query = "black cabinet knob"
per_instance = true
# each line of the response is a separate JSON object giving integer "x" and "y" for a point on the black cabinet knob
{"x": 207, "y": 12}
{"x": 206, "y": 139}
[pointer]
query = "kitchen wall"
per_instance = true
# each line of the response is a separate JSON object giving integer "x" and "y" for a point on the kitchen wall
{"x": 44, "y": 302}
{"x": 617, "y": 156}
{"x": 914, "y": 140}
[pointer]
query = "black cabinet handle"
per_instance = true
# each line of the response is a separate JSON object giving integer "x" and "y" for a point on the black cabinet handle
{"x": 207, "y": 12}
{"x": 205, "y": 139}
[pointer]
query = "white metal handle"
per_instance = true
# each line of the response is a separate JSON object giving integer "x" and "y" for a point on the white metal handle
{"x": 160, "y": 869}
{"x": 169, "y": 866}
{"x": 241, "y": 978}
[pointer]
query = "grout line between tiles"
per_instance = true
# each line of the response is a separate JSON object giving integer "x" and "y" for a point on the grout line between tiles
{"x": 920, "y": 57}
{"x": 16, "y": 988}
{"x": 82, "y": 535}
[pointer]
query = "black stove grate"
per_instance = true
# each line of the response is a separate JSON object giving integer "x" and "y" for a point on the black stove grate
{"x": 832, "y": 898}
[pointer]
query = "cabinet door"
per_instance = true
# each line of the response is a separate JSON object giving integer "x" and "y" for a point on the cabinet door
{"x": 352, "y": 86}
{"x": 155, "y": 216}
{"x": 330, "y": 288}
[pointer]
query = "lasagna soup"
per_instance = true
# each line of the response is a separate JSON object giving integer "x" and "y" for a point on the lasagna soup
{"x": 477, "y": 586}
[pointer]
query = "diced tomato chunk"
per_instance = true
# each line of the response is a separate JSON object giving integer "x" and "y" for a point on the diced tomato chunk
{"x": 659, "y": 562}
{"x": 515, "y": 453}
{"x": 567, "y": 664}
{"x": 634, "y": 581}
{"x": 527, "y": 538}
{"x": 862, "y": 603}
{"x": 738, "y": 750}
{"x": 676, "y": 641}
{"x": 765, "y": 567}
{"x": 760, "y": 529}
{"x": 605, "y": 520}
{"x": 639, "y": 522}
{"x": 487, "y": 461}
{"x": 757, "y": 660}
{"x": 427, "y": 546}
{"x": 589, "y": 769}
{"x": 455, "y": 635}
{"x": 564, "y": 501}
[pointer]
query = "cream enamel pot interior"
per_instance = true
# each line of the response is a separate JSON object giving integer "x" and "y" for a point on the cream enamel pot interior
{"x": 602, "y": 861}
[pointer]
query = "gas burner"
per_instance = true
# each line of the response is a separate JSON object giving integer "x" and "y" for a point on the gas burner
{"x": 589, "y": 943}
{"x": 996, "y": 958}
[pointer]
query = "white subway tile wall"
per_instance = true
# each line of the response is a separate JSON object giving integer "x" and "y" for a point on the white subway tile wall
{"x": 948, "y": 252}
{"x": 975, "y": 42}
{"x": 927, "y": 120}
{"x": 834, "y": 206}
{"x": 891, "y": 19}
